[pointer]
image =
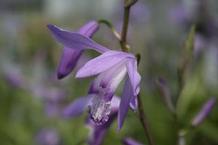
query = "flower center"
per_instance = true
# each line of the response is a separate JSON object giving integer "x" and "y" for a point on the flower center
{"x": 100, "y": 110}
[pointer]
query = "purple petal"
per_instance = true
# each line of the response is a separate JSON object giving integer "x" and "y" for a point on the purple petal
{"x": 134, "y": 103}
{"x": 98, "y": 132}
{"x": 134, "y": 76}
{"x": 101, "y": 63}
{"x": 115, "y": 103}
{"x": 206, "y": 109}
{"x": 126, "y": 97}
{"x": 89, "y": 29}
{"x": 77, "y": 107}
{"x": 130, "y": 141}
{"x": 75, "y": 40}
{"x": 68, "y": 61}
{"x": 97, "y": 136}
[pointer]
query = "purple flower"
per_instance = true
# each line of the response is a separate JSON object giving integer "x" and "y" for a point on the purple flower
{"x": 130, "y": 141}
{"x": 53, "y": 99}
{"x": 205, "y": 110}
{"x": 97, "y": 132}
{"x": 111, "y": 68}
{"x": 179, "y": 15}
{"x": 73, "y": 45}
{"x": 15, "y": 79}
{"x": 48, "y": 137}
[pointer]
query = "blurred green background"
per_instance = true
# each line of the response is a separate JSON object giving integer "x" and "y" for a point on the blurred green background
{"x": 158, "y": 30}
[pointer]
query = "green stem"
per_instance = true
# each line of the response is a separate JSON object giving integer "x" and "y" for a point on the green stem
{"x": 109, "y": 25}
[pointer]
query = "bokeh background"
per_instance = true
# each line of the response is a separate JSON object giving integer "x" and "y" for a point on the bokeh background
{"x": 32, "y": 99}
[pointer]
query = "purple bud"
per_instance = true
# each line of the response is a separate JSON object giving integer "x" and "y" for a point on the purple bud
{"x": 165, "y": 93}
{"x": 203, "y": 113}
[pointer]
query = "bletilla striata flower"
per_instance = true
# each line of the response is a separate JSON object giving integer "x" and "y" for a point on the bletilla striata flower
{"x": 72, "y": 52}
{"x": 111, "y": 68}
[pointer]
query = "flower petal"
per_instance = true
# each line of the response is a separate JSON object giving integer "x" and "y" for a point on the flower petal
{"x": 134, "y": 103}
{"x": 115, "y": 103}
{"x": 68, "y": 61}
{"x": 89, "y": 29}
{"x": 77, "y": 107}
{"x": 98, "y": 132}
{"x": 134, "y": 76}
{"x": 101, "y": 63}
{"x": 75, "y": 40}
{"x": 126, "y": 96}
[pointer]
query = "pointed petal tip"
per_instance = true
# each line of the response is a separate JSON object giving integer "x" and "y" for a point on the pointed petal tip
{"x": 54, "y": 29}
{"x": 119, "y": 123}
{"x": 61, "y": 76}
{"x": 80, "y": 74}
{"x": 51, "y": 27}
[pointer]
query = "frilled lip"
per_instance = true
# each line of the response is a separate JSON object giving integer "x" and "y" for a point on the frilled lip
{"x": 77, "y": 107}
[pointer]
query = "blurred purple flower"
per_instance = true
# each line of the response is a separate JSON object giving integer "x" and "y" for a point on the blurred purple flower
{"x": 203, "y": 113}
{"x": 53, "y": 100}
{"x": 15, "y": 79}
{"x": 72, "y": 45}
{"x": 140, "y": 13}
{"x": 130, "y": 141}
{"x": 48, "y": 137}
{"x": 178, "y": 15}
{"x": 111, "y": 67}
{"x": 98, "y": 132}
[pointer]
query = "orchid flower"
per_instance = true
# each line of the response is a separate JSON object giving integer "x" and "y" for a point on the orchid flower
{"x": 97, "y": 132}
{"x": 111, "y": 68}
{"x": 72, "y": 49}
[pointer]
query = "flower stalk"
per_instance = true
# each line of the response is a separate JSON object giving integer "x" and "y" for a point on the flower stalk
{"x": 123, "y": 42}
{"x": 144, "y": 121}
{"x": 127, "y": 6}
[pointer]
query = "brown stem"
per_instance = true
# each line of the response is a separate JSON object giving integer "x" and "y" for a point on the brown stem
{"x": 144, "y": 121}
{"x": 127, "y": 6}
